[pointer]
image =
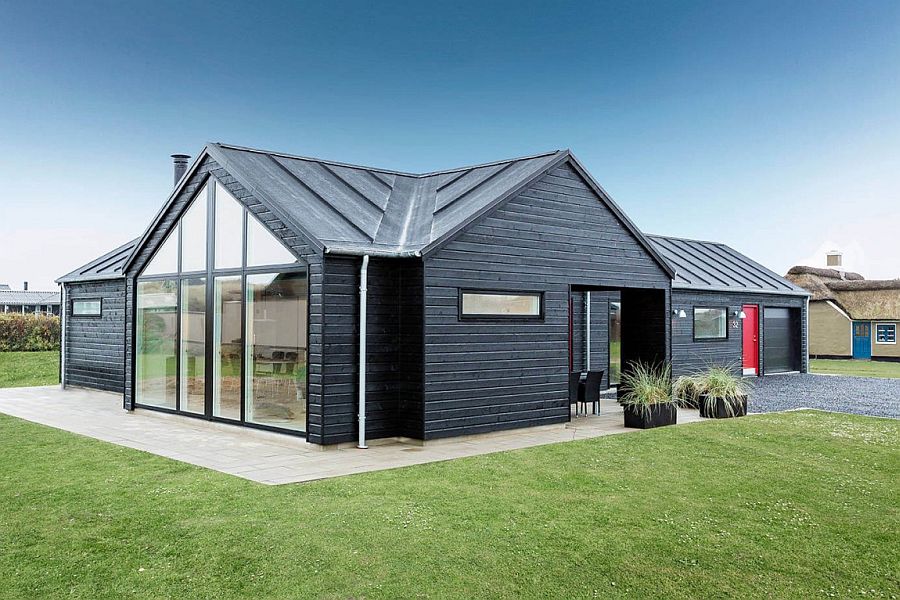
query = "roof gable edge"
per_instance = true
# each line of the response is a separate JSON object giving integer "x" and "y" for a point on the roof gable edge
{"x": 620, "y": 214}
{"x": 451, "y": 234}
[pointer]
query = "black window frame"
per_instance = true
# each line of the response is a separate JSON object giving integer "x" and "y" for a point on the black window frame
{"x": 499, "y": 317}
{"x": 694, "y": 324}
{"x": 301, "y": 264}
{"x": 86, "y": 316}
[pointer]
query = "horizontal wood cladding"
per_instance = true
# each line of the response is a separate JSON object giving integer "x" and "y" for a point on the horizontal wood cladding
{"x": 394, "y": 348}
{"x": 95, "y": 346}
{"x": 490, "y": 375}
{"x": 690, "y": 356}
{"x": 298, "y": 243}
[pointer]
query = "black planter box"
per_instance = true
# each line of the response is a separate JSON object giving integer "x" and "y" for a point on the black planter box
{"x": 720, "y": 411}
{"x": 659, "y": 416}
{"x": 689, "y": 403}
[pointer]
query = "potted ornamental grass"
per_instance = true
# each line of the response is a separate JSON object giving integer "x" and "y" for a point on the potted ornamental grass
{"x": 647, "y": 396}
{"x": 686, "y": 391}
{"x": 723, "y": 394}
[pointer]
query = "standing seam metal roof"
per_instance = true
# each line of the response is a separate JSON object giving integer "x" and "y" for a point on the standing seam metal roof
{"x": 353, "y": 209}
{"x": 108, "y": 266}
{"x": 713, "y": 266}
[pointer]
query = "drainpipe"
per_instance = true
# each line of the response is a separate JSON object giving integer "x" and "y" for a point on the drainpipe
{"x": 363, "y": 280}
{"x": 587, "y": 337}
{"x": 805, "y": 366}
{"x": 63, "y": 322}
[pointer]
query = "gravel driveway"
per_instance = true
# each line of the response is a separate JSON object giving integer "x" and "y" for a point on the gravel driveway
{"x": 860, "y": 395}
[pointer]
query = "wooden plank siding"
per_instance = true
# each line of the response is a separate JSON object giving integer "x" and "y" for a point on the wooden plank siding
{"x": 301, "y": 246}
{"x": 689, "y": 356}
{"x": 489, "y": 375}
{"x": 93, "y": 345}
{"x": 393, "y": 348}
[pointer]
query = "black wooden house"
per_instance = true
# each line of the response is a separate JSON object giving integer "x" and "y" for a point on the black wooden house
{"x": 294, "y": 294}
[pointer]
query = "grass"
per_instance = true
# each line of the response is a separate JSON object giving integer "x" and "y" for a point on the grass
{"x": 20, "y": 369}
{"x": 788, "y": 505}
{"x": 861, "y": 368}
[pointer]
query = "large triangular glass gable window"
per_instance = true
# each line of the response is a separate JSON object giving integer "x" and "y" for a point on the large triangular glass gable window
{"x": 166, "y": 258}
{"x": 263, "y": 248}
{"x": 229, "y": 226}
{"x": 193, "y": 235}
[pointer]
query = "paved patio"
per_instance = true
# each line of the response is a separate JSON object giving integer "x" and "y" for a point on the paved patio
{"x": 273, "y": 458}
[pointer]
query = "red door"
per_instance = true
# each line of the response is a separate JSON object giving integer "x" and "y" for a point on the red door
{"x": 751, "y": 339}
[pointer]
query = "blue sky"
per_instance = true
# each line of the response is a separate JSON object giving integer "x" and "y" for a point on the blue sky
{"x": 771, "y": 126}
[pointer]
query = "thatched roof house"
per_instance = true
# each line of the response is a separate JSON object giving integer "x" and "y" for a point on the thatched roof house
{"x": 862, "y": 299}
{"x": 850, "y": 315}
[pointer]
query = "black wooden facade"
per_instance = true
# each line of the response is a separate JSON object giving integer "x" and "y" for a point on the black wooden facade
{"x": 93, "y": 348}
{"x": 538, "y": 224}
{"x": 690, "y": 355}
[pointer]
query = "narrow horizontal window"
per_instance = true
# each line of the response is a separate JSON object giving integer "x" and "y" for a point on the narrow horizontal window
{"x": 886, "y": 333}
{"x": 710, "y": 323}
{"x": 86, "y": 308}
{"x": 501, "y": 304}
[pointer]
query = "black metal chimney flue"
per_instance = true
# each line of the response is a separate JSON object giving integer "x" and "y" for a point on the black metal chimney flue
{"x": 25, "y": 286}
{"x": 181, "y": 164}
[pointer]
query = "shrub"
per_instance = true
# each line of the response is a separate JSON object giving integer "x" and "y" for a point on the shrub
{"x": 646, "y": 385}
{"x": 28, "y": 333}
{"x": 720, "y": 383}
{"x": 687, "y": 389}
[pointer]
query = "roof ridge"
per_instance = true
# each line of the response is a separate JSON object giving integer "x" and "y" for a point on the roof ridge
{"x": 334, "y": 163}
{"x": 684, "y": 239}
{"x": 490, "y": 164}
{"x": 379, "y": 169}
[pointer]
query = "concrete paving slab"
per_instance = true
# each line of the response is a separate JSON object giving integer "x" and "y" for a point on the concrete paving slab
{"x": 273, "y": 458}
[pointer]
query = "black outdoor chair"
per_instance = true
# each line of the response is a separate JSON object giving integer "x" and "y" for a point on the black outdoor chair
{"x": 592, "y": 391}
{"x": 291, "y": 360}
{"x": 574, "y": 389}
{"x": 277, "y": 361}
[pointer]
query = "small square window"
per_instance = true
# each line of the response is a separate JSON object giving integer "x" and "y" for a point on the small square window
{"x": 886, "y": 333}
{"x": 86, "y": 308}
{"x": 710, "y": 323}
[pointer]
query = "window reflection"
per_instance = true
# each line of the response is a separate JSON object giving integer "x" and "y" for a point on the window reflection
{"x": 156, "y": 328}
{"x": 193, "y": 344}
{"x": 229, "y": 229}
{"x": 227, "y": 348}
{"x": 193, "y": 235}
{"x": 276, "y": 350}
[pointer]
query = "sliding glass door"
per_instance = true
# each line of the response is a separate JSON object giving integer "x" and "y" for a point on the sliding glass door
{"x": 192, "y": 363}
{"x": 276, "y": 349}
{"x": 156, "y": 326}
{"x": 227, "y": 348}
{"x": 221, "y": 320}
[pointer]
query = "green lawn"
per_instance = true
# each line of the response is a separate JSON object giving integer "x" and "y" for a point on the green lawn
{"x": 862, "y": 368}
{"x": 790, "y": 505}
{"x": 20, "y": 369}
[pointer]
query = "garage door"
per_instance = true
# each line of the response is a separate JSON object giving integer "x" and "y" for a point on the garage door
{"x": 780, "y": 341}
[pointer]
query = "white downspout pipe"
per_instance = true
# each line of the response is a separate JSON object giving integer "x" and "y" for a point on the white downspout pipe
{"x": 363, "y": 287}
{"x": 63, "y": 323}
{"x": 587, "y": 337}
{"x": 806, "y": 336}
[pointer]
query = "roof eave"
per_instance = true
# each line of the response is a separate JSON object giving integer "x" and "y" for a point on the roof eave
{"x": 735, "y": 290}
{"x": 86, "y": 279}
{"x": 374, "y": 252}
